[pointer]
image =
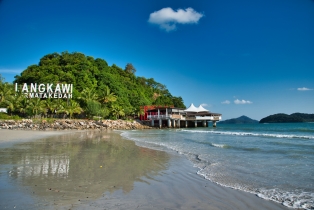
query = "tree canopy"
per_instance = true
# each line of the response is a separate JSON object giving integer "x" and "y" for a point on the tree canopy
{"x": 98, "y": 87}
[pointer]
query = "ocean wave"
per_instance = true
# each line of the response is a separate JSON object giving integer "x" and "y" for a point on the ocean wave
{"x": 297, "y": 200}
{"x": 250, "y": 134}
{"x": 304, "y": 200}
{"x": 225, "y": 146}
{"x": 294, "y": 199}
{"x": 156, "y": 145}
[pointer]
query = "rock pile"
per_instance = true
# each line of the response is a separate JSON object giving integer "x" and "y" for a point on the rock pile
{"x": 67, "y": 124}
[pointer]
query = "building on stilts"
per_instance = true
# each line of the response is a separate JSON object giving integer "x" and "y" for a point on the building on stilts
{"x": 171, "y": 117}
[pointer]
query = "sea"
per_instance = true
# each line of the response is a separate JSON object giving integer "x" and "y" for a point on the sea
{"x": 275, "y": 161}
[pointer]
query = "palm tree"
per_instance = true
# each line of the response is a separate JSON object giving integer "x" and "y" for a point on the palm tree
{"x": 121, "y": 112}
{"x": 117, "y": 111}
{"x": 6, "y": 92}
{"x": 49, "y": 105}
{"x": 36, "y": 105}
{"x": 88, "y": 95}
{"x": 13, "y": 102}
{"x": 140, "y": 112}
{"x": 108, "y": 96}
{"x": 72, "y": 107}
{"x": 24, "y": 105}
{"x": 58, "y": 105}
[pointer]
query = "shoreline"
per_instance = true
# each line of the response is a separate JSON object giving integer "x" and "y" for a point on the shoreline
{"x": 72, "y": 124}
{"x": 8, "y": 137}
{"x": 178, "y": 186}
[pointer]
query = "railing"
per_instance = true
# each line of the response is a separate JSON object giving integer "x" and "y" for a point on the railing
{"x": 162, "y": 116}
{"x": 204, "y": 118}
{"x": 156, "y": 116}
{"x": 217, "y": 118}
{"x": 190, "y": 118}
{"x": 176, "y": 116}
{"x": 213, "y": 118}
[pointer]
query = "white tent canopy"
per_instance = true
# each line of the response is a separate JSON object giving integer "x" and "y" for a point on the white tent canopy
{"x": 192, "y": 108}
{"x": 202, "y": 109}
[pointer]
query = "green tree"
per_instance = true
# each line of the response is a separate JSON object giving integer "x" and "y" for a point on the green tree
{"x": 88, "y": 95}
{"x": 107, "y": 96}
{"x": 71, "y": 107}
{"x": 6, "y": 92}
{"x": 94, "y": 80}
{"x": 36, "y": 106}
{"x": 93, "y": 108}
{"x": 58, "y": 106}
{"x": 1, "y": 79}
{"x": 14, "y": 102}
{"x": 178, "y": 102}
{"x": 24, "y": 106}
{"x": 129, "y": 68}
{"x": 117, "y": 111}
{"x": 49, "y": 105}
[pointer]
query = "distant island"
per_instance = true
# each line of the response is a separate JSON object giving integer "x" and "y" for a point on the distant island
{"x": 285, "y": 118}
{"x": 240, "y": 120}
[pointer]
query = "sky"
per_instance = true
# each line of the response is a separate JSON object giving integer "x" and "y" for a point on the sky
{"x": 253, "y": 58}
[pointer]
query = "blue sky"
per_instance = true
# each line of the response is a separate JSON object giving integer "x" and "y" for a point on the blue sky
{"x": 245, "y": 57}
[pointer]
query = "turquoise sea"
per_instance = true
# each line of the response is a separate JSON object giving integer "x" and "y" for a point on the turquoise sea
{"x": 273, "y": 161}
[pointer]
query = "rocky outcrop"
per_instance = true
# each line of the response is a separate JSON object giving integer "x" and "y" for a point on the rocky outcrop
{"x": 66, "y": 124}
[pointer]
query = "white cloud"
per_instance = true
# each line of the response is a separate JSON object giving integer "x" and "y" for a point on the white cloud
{"x": 168, "y": 19}
{"x": 304, "y": 89}
{"x": 226, "y": 102}
{"x": 204, "y": 105}
{"x": 10, "y": 71}
{"x": 237, "y": 101}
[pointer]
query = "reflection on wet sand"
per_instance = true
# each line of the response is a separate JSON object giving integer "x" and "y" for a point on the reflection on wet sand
{"x": 64, "y": 170}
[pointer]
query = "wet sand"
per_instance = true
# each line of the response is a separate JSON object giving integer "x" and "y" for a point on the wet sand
{"x": 179, "y": 187}
{"x": 10, "y": 137}
{"x": 100, "y": 170}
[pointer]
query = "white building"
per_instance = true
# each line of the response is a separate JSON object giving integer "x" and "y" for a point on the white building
{"x": 178, "y": 117}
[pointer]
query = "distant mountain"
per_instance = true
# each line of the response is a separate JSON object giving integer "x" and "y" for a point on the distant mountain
{"x": 240, "y": 120}
{"x": 284, "y": 118}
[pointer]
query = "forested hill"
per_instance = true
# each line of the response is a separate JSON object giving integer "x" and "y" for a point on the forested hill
{"x": 240, "y": 120}
{"x": 284, "y": 118}
{"x": 94, "y": 80}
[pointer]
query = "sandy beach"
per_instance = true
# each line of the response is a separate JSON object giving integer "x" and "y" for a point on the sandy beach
{"x": 9, "y": 137}
{"x": 101, "y": 170}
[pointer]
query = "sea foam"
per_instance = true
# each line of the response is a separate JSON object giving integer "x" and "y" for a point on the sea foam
{"x": 250, "y": 134}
